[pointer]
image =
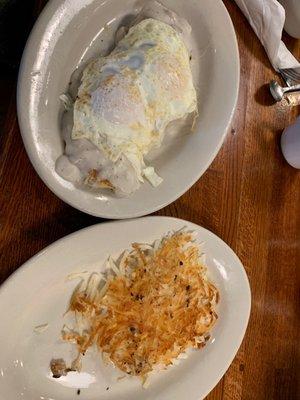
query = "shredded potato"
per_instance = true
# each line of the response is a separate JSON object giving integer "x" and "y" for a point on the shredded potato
{"x": 159, "y": 304}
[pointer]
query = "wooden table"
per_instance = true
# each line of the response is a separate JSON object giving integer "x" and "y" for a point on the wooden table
{"x": 249, "y": 196}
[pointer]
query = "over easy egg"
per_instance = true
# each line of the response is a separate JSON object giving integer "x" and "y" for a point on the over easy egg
{"x": 126, "y": 100}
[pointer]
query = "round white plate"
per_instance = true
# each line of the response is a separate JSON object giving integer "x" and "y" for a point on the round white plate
{"x": 67, "y": 34}
{"x": 38, "y": 293}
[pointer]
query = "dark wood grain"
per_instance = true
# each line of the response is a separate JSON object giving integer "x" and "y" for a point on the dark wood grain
{"x": 249, "y": 196}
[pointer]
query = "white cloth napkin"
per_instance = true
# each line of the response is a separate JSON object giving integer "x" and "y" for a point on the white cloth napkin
{"x": 267, "y": 20}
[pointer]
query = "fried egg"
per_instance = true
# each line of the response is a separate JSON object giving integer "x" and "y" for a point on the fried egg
{"x": 127, "y": 99}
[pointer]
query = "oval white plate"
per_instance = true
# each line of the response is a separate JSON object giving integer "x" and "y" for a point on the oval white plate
{"x": 38, "y": 293}
{"x": 66, "y": 35}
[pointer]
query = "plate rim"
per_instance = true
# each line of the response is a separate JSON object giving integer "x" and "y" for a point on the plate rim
{"x": 35, "y": 35}
{"x": 116, "y": 222}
